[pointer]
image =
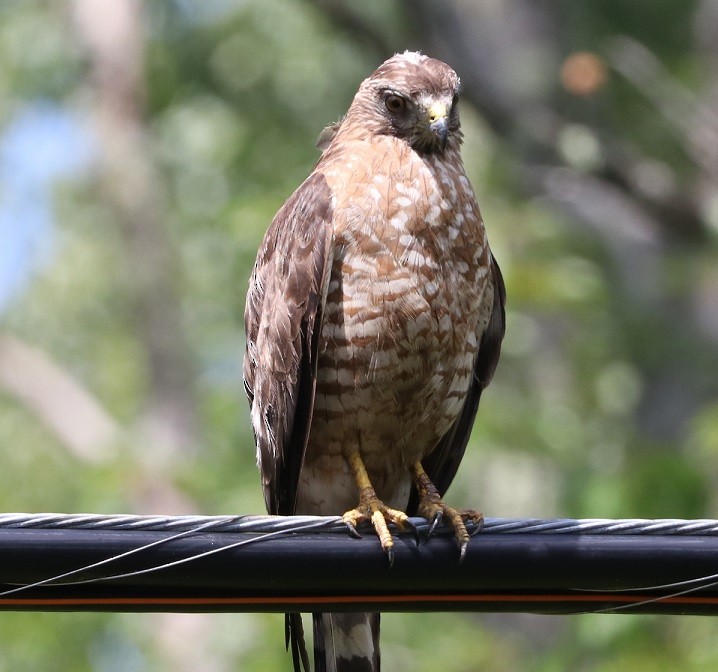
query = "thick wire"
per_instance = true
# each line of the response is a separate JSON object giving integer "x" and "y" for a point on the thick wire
{"x": 334, "y": 524}
{"x": 208, "y": 525}
{"x": 267, "y": 527}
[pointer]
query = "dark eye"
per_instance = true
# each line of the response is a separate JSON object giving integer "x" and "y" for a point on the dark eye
{"x": 395, "y": 104}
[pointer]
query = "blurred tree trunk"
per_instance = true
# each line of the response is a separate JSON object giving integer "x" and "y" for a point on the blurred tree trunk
{"x": 113, "y": 34}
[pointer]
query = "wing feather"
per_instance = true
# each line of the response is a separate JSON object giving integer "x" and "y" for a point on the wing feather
{"x": 283, "y": 318}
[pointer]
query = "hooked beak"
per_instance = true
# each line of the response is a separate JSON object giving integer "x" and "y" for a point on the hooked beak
{"x": 438, "y": 118}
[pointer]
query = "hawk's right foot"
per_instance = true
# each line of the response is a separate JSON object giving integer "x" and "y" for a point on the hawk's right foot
{"x": 371, "y": 508}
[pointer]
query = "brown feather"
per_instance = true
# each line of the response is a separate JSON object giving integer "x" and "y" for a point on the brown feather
{"x": 283, "y": 322}
{"x": 327, "y": 135}
{"x": 443, "y": 462}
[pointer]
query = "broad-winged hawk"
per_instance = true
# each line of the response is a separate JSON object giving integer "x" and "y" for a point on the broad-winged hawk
{"x": 374, "y": 320}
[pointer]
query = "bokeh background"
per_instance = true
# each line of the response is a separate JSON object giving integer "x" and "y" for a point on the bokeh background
{"x": 144, "y": 148}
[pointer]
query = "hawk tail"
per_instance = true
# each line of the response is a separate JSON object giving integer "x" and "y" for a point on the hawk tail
{"x": 294, "y": 637}
{"x": 347, "y": 642}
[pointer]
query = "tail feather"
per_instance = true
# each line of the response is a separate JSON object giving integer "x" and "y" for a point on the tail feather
{"x": 320, "y": 656}
{"x": 294, "y": 637}
{"x": 346, "y": 642}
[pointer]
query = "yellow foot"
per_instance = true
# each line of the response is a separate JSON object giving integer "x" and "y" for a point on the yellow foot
{"x": 433, "y": 508}
{"x": 373, "y": 509}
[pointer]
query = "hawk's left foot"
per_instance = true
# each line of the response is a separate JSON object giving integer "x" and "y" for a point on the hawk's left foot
{"x": 433, "y": 508}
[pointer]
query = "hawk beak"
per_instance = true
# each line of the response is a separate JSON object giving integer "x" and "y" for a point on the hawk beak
{"x": 438, "y": 118}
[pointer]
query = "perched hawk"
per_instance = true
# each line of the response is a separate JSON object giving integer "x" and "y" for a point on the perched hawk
{"x": 374, "y": 321}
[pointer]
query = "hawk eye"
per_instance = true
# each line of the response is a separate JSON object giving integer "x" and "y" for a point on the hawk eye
{"x": 395, "y": 104}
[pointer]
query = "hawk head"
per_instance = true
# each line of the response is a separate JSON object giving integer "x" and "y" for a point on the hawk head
{"x": 412, "y": 97}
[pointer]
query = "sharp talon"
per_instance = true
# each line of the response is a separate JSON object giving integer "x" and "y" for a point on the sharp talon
{"x": 414, "y": 532}
{"x": 435, "y": 510}
{"x": 353, "y": 531}
{"x": 477, "y": 527}
{"x": 390, "y": 556}
{"x": 437, "y": 519}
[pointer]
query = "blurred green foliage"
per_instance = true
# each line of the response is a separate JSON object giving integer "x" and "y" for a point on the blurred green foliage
{"x": 235, "y": 94}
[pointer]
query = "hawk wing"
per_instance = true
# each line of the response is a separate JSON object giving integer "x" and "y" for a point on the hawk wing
{"x": 283, "y": 319}
{"x": 443, "y": 462}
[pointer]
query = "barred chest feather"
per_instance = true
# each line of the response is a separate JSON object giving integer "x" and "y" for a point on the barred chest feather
{"x": 408, "y": 298}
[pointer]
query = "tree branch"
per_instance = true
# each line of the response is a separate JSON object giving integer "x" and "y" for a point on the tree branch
{"x": 61, "y": 403}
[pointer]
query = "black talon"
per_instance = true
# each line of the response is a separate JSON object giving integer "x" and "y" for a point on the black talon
{"x": 414, "y": 532}
{"x": 353, "y": 531}
{"x": 390, "y": 556}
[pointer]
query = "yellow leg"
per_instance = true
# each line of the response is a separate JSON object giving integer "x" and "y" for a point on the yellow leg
{"x": 433, "y": 508}
{"x": 372, "y": 508}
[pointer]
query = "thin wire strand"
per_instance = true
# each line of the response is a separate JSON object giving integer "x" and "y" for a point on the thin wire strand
{"x": 659, "y": 598}
{"x": 315, "y": 523}
{"x": 58, "y": 578}
{"x": 264, "y": 536}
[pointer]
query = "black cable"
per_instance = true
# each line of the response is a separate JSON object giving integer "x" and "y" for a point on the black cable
{"x": 308, "y": 563}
